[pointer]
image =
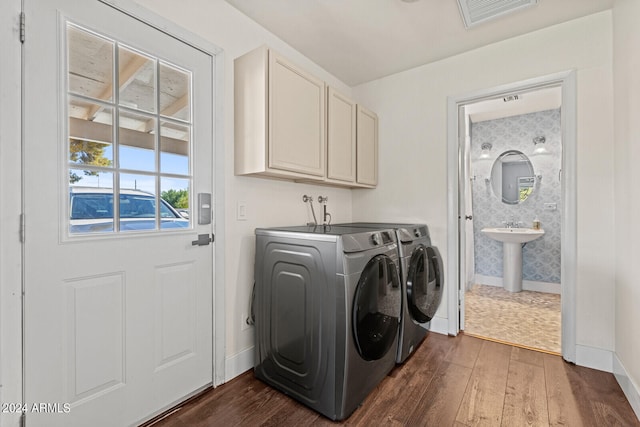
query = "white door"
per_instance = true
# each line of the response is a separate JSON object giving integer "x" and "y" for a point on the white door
{"x": 464, "y": 217}
{"x": 118, "y": 300}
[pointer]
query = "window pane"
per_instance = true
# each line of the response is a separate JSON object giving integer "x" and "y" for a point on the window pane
{"x": 137, "y": 202}
{"x": 87, "y": 178}
{"x": 137, "y": 79}
{"x": 175, "y": 87}
{"x": 90, "y": 202}
{"x": 90, "y": 142}
{"x": 129, "y": 126}
{"x": 176, "y": 200}
{"x": 92, "y": 113}
{"x": 137, "y": 142}
{"x": 174, "y": 148}
{"x": 144, "y": 183}
{"x": 90, "y": 64}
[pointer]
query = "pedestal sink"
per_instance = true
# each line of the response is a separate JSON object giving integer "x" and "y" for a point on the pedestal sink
{"x": 512, "y": 240}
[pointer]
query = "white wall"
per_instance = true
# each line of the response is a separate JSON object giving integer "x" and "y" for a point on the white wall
{"x": 412, "y": 107}
{"x": 627, "y": 228}
{"x": 269, "y": 202}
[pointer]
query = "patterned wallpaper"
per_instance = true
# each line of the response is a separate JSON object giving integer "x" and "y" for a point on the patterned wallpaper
{"x": 541, "y": 257}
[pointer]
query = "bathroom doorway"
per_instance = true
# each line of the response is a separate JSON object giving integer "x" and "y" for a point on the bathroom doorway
{"x": 532, "y": 125}
{"x": 513, "y": 165}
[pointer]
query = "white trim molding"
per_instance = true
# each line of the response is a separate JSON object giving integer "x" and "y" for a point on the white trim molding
{"x": 439, "y": 325}
{"x": 239, "y": 363}
{"x": 527, "y": 285}
{"x": 594, "y": 358}
{"x": 629, "y": 388}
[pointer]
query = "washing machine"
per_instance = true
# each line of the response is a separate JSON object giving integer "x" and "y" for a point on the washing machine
{"x": 422, "y": 281}
{"x": 327, "y": 307}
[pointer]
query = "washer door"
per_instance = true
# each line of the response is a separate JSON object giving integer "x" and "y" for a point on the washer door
{"x": 376, "y": 308}
{"x": 424, "y": 283}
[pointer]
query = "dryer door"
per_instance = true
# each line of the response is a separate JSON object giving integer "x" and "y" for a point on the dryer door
{"x": 376, "y": 308}
{"x": 424, "y": 283}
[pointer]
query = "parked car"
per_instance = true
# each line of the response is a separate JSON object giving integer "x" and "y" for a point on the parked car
{"x": 91, "y": 211}
{"x": 184, "y": 212}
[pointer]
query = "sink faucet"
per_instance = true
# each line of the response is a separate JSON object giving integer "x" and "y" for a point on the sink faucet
{"x": 513, "y": 223}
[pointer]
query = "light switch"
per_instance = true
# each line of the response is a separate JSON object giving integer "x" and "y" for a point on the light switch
{"x": 241, "y": 211}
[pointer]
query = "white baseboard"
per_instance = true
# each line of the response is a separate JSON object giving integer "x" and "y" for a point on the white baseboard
{"x": 439, "y": 325}
{"x": 238, "y": 364}
{"x": 527, "y": 285}
{"x": 630, "y": 389}
{"x": 595, "y": 358}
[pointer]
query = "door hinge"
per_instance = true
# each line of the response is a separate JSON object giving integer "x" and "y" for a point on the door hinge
{"x": 22, "y": 228}
{"x": 22, "y": 27}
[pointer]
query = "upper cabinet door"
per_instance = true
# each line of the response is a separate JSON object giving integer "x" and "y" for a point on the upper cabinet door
{"x": 296, "y": 119}
{"x": 367, "y": 143}
{"x": 341, "y": 137}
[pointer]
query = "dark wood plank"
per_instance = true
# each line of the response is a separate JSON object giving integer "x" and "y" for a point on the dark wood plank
{"x": 586, "y": 396}
{"x": 525, "y": 402}
{"x": 483, "y": 399}
{"x": 293, "y": 413}
{"x": 465, "y": 351}
{"x": 562, "y": 404}
{"x": 440, "y": 401}
{"x": 527, "y": 356}
{"x": 400, "y": 393}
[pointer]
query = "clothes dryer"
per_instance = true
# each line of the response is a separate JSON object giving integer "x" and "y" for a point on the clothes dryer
{"x": 327, "y": 310}
{"x": 422, "y": 281}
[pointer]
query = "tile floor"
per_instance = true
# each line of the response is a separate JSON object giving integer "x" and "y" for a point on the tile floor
{"x": 527, "y": 318}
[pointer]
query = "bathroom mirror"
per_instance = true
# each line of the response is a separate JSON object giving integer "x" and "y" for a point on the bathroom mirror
{"x": 512, "y": 177}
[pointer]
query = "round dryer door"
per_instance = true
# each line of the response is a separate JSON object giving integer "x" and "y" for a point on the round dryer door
{"x": 424, "y": 283}
{"x": 376, "y": 308}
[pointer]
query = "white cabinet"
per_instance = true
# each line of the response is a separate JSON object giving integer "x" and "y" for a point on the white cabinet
{"x": 279, "y": 118}
{"x": 341, "y": 137}
{"x": 367, "y": 147}
{"x": 288, "y": 125}
{"x": 352, "y": 142}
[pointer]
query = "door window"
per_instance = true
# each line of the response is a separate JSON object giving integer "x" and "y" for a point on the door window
{"x": 129, "y": 138}
{"x": 424, "y": 284}
{"x": 376, "y": 309}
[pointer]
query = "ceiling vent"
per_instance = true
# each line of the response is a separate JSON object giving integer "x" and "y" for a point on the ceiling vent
{"x": 475, "y": 12}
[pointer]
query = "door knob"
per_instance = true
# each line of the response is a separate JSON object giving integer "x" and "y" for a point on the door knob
{"x": 203, "y": 240}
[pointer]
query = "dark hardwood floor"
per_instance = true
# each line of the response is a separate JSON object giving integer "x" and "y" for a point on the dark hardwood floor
{"x": 449, "y": 381}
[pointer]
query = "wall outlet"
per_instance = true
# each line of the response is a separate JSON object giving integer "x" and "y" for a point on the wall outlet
{"x": 550, "y": 206}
